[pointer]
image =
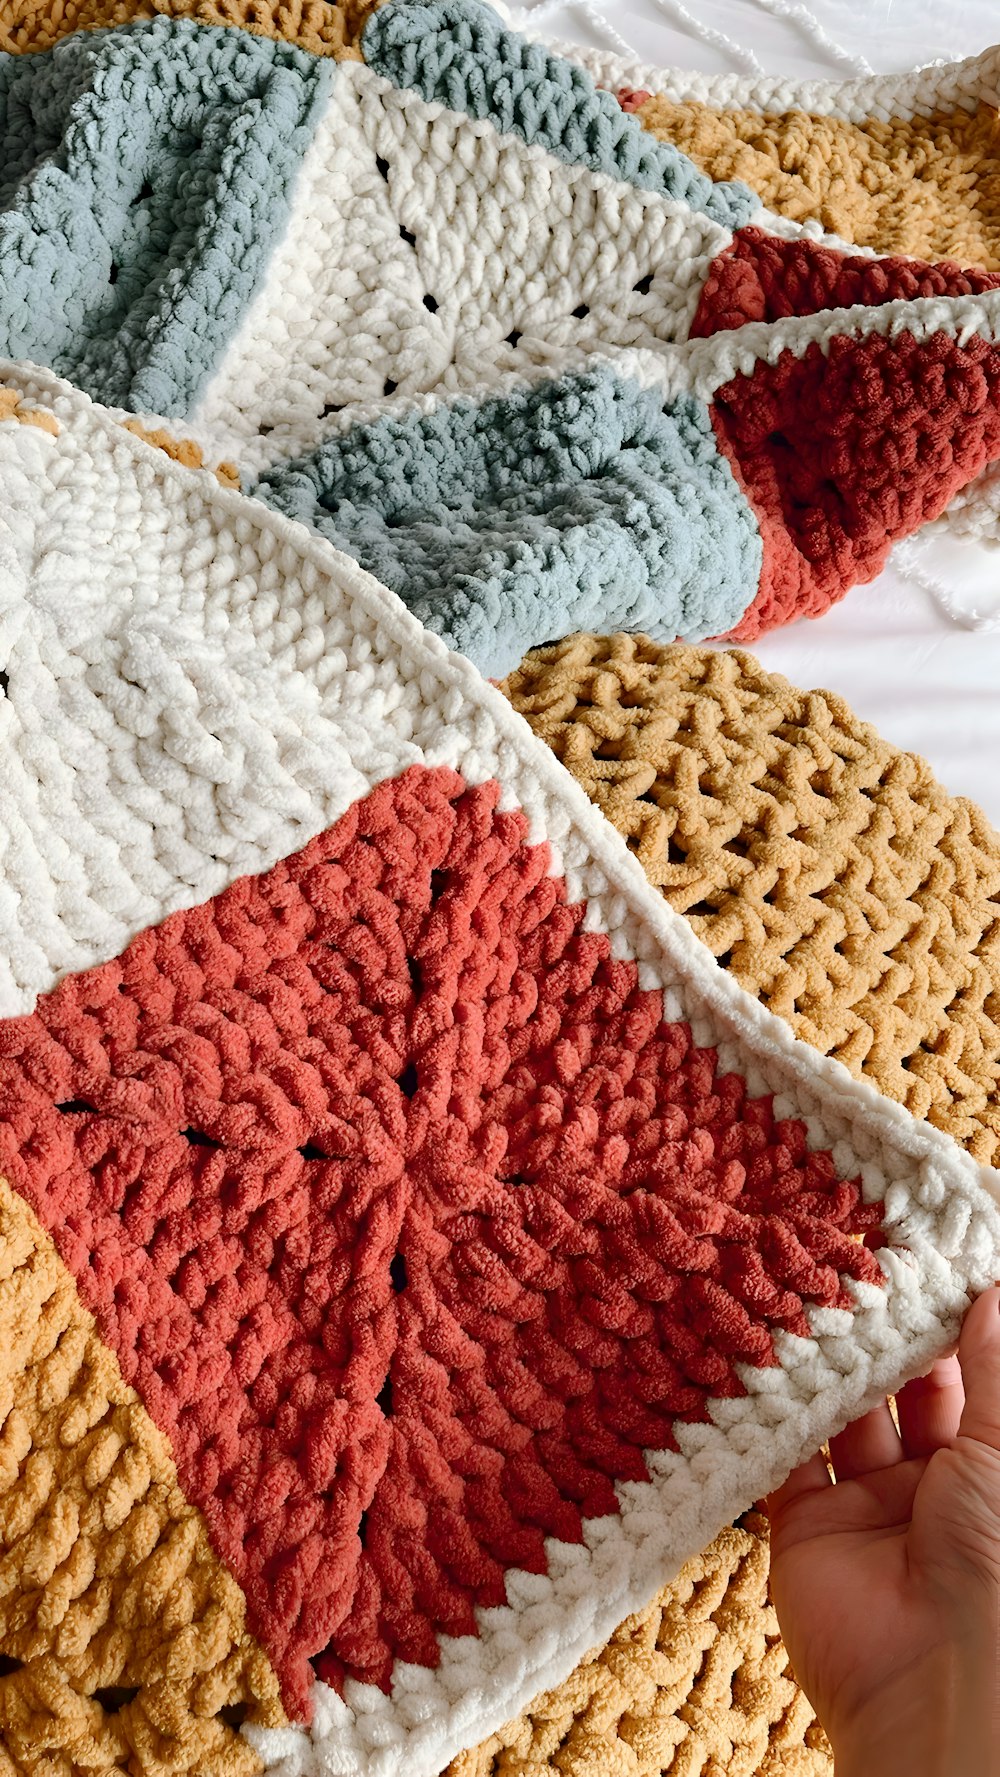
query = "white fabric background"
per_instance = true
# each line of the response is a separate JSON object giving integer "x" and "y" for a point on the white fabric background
{"x": 924, "y": 680}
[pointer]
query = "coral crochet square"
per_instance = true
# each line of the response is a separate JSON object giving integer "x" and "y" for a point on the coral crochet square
{"x": 410, "y": 1218}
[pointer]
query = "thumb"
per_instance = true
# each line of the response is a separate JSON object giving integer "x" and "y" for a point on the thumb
{"x": 979, "y": 1356}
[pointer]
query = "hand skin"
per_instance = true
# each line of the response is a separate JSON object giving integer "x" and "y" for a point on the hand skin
{"x": 887, "y": 1583}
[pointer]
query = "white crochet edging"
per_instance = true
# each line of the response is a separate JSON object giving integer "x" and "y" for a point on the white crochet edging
{"x": 787, "y": 230}
{"x": 973, "y": 514}
{"x": 701, "y": 366}
{"x": 222, "y": 589}
{"x": 817, "y": 1388}
{"x": 879, "y": 98}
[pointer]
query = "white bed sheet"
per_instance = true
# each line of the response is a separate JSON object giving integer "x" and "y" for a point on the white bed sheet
{"x": 927, "y": 682}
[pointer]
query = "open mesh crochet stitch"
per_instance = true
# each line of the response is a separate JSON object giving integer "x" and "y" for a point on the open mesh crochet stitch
{"x": 828, "y": 870}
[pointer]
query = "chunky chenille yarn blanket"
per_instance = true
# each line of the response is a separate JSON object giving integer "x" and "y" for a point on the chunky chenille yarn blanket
{"x": 414, "y": 1247}
{"x": 449, "y": 302}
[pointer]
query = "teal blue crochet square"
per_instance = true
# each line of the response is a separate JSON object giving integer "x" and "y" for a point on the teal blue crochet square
{"x": 146, "y": 180}
{"x": 582, "y": 502}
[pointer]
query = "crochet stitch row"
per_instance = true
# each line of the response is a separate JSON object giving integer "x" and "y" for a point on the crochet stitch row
{"x": 897, "y": 165}
{"x": 900, "y": 164}
{"x": 323, "y": 27}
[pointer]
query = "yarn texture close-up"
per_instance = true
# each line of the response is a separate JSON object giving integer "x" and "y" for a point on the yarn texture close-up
{"x": 490, "y": 1080}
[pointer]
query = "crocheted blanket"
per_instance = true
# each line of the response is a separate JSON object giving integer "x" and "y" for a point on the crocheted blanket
{"x": 417, "y": 1245}
{"x": 414, "y": 1248}
{"x": 449, "y": 303}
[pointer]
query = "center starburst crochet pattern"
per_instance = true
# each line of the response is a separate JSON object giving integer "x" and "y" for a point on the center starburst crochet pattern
{"x": 409, "y": 1216}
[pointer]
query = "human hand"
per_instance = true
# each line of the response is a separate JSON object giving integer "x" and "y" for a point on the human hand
{"x": 887, "y": 1583}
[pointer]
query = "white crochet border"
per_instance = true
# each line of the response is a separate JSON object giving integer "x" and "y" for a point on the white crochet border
{"x": 942, "y": 1209}
{"x": 881, "y": 98}
{"x": 973, "y": 515}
